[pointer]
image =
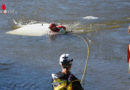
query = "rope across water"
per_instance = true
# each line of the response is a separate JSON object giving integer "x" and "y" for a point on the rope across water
{"x": 86, "y": 62}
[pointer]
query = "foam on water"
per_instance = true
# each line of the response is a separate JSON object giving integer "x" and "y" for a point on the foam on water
{"x": 38, "y": 29}
{"x": 90, "y": 17}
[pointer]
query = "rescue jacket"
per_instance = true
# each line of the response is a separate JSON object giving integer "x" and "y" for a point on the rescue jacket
{"x": 61, "y": 81}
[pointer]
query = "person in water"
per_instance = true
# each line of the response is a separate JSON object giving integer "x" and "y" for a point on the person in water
{"x": 65, "y": 80}
{"x": 128, "y": 57}
{"x": 57, "y": 28}
{"x": 129, "y": 29}
{"x": 128, "y": 52}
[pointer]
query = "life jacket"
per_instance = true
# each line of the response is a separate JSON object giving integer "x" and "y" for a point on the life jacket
{"x": 60, "y": 26}
{"x": 62, "y": 29}
{"x": 60, "y": 84}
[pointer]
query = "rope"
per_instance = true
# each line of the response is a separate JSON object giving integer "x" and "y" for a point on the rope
{"x": 85, "y": 68}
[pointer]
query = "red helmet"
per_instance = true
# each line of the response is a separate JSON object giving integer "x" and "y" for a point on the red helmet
{"x": 52, "y": 25}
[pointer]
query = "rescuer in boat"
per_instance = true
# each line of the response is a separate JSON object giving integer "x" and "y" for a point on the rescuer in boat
{"x": 57, "y": 28}
{"x": 65, "y": 80}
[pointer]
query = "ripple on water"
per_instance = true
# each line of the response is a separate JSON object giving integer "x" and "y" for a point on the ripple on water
{"x": 5, "y": 63}
{"x": 20, "y": 86}
{"x": 25, "y": 81}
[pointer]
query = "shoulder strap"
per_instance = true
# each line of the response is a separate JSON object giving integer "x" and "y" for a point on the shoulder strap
{"x": 54, "y": 76}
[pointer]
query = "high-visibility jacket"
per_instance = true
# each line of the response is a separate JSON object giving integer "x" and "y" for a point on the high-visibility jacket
{"x": 66, "y": 84}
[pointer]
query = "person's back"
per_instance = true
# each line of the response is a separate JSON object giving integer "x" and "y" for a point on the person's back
{"x": 57, "y": 28}
{"x": 65, "y": 80}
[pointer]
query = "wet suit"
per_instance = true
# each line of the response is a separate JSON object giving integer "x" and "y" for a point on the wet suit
{"x": 69, "y": 78}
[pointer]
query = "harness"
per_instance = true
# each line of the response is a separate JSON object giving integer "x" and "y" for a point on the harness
{"x": 59, "y": 84}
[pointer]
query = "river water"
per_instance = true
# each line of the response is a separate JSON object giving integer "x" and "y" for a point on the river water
{"x": 27, "y": 62}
